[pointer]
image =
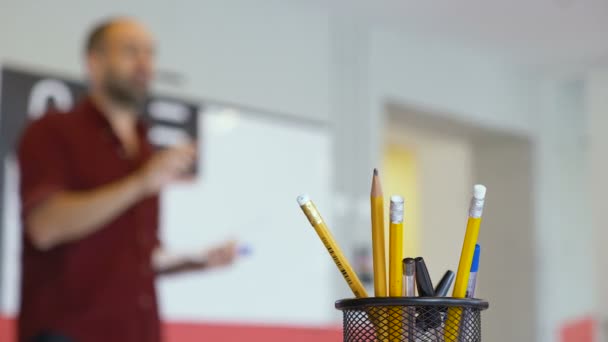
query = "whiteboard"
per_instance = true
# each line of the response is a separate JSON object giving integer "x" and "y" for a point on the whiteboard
{"x": 252, "y": 169}
{"x": 10, "y": 253}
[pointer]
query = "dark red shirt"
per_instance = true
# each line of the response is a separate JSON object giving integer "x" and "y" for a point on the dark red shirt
{"x": 99, "y": 288}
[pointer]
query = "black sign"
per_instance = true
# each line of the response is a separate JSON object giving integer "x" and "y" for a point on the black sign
{"x": 26, "y": 96}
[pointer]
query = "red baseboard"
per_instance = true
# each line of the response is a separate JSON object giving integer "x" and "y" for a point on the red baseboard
{"x": 196, "y": 332}
{"x": 7, "y": 329}
{"x": 580, "y": 330}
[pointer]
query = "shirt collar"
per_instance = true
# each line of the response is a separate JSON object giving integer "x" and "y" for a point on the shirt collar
{"x": 89, "y": 107}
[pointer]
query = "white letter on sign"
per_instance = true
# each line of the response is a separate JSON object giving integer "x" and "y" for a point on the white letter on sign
{"x": 45, "y": 90}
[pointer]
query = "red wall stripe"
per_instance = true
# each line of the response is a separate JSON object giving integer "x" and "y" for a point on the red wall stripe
{"x": 196, "y": 332}
{"x": 7, "y": 330}
{"x": 579, "y": 330}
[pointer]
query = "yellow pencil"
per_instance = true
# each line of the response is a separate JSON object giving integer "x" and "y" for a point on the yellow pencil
{"x": 466, "y": 258}
{"x": 395, "y": 264}
{"x": 332, "y": 247}
{"x": 378, "y": 250}
{"x": 396, "y": 247}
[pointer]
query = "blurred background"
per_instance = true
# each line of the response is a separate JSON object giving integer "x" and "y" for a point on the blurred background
{"x": 310, "y": 96}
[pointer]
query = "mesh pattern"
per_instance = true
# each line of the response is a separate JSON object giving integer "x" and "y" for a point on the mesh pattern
{"x": 412, "y": 324}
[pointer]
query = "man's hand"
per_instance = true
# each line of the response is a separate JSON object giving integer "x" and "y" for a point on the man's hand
{"x": 221, "y": 255}
{"x": 165, "y": 167}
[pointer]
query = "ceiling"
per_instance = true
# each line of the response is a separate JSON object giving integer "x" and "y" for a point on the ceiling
{"x": 533, "y": 32}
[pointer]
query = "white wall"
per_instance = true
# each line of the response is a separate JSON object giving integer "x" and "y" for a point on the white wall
{"x": 508, "y": 271}
{"x": 596, "y": 100}
{"x": 444, "y": 165}
{"x": 566, "y": 287}
{"x": 457, "y": 82}
{"x": 286, "y": 58}
{"x": 248, "y": 192}
{"x": 260, "y": 54}
{"x": 450, "y": 159}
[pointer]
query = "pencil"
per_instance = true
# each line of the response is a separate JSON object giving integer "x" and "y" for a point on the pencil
{"x": 378, "y": 250}
{"x": 395, "y": 282}
{"x": 466, "y": 259}
{"x": 396, "y": 247}
{"x": 332, "y": 247}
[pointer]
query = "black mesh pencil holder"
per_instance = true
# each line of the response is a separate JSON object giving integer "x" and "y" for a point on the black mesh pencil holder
{"x": 415, "y": 319}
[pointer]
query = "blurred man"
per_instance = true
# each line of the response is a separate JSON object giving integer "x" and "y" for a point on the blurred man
{"x": 89, "y": 193}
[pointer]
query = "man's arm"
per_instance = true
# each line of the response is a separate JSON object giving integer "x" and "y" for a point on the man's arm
{"x": 67, "y": 216}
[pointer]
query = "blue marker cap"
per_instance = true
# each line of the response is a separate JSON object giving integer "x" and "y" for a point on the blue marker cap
{"x": 475, "y": 264}
{"x": 244, "y": 250}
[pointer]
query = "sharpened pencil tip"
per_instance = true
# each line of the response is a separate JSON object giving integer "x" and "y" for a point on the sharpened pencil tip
{"x": 375, "y": 172}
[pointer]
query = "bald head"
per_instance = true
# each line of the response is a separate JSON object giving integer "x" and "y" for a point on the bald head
{"x": 120, "y": 60}
{"x": 101, "y": 31}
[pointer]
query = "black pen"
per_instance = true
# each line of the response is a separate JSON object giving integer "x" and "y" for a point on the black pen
{"x": 444, "y": 284}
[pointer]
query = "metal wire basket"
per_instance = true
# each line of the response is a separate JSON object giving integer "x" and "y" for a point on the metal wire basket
{"x": 411, "y": 319}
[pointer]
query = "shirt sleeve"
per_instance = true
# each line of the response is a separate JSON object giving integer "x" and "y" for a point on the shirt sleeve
{"x": 43, "y": 166}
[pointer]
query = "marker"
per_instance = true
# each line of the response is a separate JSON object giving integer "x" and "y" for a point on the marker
{"x": 467, "y": 316}
{"x": 244, "y": 250}
{"x": 473, "y": 275}
{"x": 423, "y": 279}
{"x": 444, "y": 284}
{"x": 409, "y": 289}
{"x": 331, "y": 245}
{"x": 426, "y": 321}
{"x": 409, "y": 274}
{"x": 466, "y": 260}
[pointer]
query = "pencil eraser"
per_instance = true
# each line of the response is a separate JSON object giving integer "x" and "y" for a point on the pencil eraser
{"x": 397, "y": 208}
{"x": 303, "y": 199}
{"x": 479, "y": 191}
{"x": 396, "y": 199}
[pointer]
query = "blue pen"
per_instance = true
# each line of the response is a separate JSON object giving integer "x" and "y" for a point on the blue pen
{"x": 473, "y": 274}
